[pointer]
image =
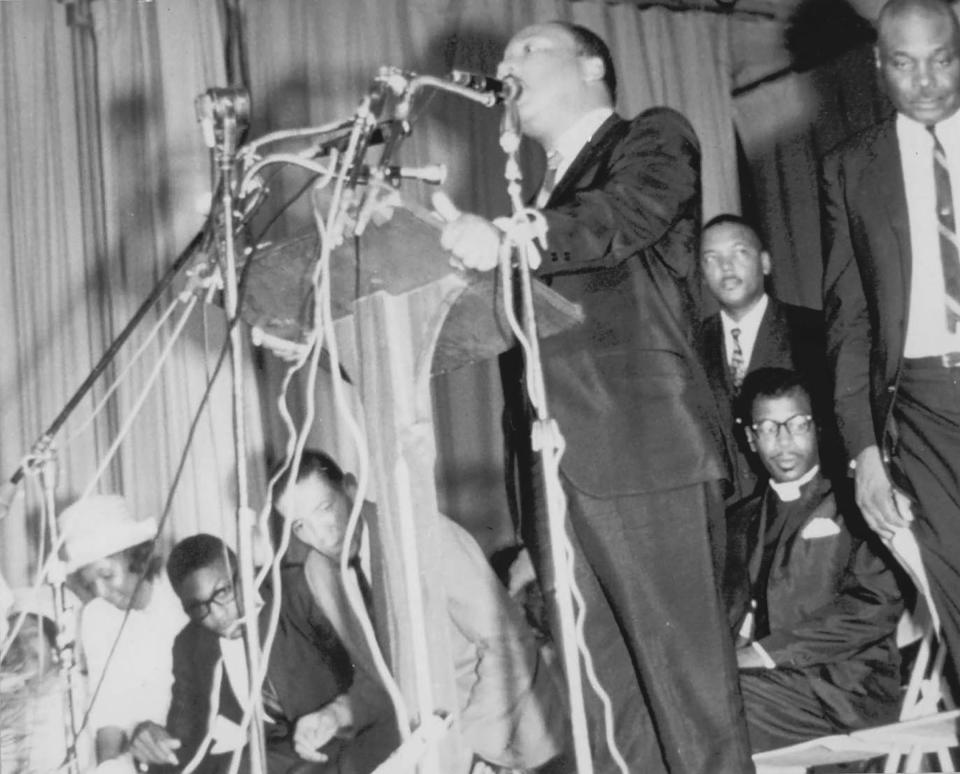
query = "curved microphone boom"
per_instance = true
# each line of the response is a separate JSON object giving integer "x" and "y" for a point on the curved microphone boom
{"x": 503, "y": 90}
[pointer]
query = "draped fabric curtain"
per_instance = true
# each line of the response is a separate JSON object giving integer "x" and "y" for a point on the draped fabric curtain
{"x": 106, "y": 179}
{"x": 785, "y": 127}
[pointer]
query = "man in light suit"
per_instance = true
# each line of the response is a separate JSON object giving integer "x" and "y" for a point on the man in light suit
{"x": 752, "y": 330}
{"x": 644, "y": 458}
{"x": 890, "y": 296}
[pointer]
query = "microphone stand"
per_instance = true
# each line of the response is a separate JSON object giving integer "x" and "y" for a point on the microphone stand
{"x": 45, "y": 465}
{"x": 546, "y": 439}
{"x": 223, "y": 113}
{"x": 9, "y": 488}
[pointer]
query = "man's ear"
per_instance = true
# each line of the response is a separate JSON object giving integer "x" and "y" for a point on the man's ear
{"x": 751, "y": 438}
{"x": 765, "y": 263}
{"x": 876, "y": 57}
{"x": 592, "y": 68}
{"x": 350, "y": 485}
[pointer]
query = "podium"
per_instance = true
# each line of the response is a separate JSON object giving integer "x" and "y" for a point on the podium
{"x": 402, "y": 315}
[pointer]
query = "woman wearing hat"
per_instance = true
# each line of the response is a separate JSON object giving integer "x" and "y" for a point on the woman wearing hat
{"x": 128, "y": 627}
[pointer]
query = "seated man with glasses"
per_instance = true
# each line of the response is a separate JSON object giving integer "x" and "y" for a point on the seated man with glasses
{"x": 810, "y": 585}
{"x": 314, "y": 703}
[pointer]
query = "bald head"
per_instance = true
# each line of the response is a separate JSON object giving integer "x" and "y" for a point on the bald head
{"x": 918, "y": 55}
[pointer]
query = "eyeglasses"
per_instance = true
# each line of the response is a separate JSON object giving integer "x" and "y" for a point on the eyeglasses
{"x": 199, "y": 609}
{"x": 769, "y": 429}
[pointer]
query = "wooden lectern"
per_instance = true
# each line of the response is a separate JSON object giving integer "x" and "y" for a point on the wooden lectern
{"x": 402, "y": 315}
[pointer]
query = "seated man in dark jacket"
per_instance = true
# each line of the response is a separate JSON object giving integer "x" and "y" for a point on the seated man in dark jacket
{"x": 314, "y": 703}
{"x": 813, "y": 589}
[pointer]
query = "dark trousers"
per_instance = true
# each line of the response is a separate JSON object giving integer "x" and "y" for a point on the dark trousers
{"x": 926, "y": 461}
{"x": 782, "y": 709}
{"x": 656, "y": 631}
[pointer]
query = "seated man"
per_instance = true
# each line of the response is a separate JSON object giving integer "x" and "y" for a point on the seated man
{"x": 312, "y": 702}
{"x": 511, "y": 710}
{"x": 820, "y": 657}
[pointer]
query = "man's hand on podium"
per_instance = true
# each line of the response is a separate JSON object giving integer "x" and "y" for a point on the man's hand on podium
{"x": 474, "y": 241}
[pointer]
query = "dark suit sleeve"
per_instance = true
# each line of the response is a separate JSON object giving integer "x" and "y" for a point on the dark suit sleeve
{"x": 864, "y": 611}
{"x": 846, "y": 316}
{"x": 193, "y": 662}
{"x": 652, "y": 180}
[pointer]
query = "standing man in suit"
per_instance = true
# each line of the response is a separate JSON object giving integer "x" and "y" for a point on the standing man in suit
{"x": 752, "y": 329}
{"x": 644, "y": 458}
{"x": 892, "y": 296}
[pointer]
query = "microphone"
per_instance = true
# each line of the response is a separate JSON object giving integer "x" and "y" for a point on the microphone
{"x": 505, "y": 90}
{"x": 428, "y": 173}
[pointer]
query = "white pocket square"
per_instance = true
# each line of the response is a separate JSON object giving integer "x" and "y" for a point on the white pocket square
{"x": 820, "y": 527}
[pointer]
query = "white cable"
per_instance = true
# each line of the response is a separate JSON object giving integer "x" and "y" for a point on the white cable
{"x": 53, "y": 555}
{"x": 141, "y": 399}
{"x": 115, "y": 384}
{"x": 526, "y": 226}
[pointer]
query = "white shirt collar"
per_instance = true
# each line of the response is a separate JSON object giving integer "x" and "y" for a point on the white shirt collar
{"x": 788, "y": 491}
{"x": 571, "y": 142}
{"x": 749, "y": 326}
{"x": 948, "y": 132}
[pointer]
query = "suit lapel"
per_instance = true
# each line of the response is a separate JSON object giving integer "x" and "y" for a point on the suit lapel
{"x": 609, "y": 133}
{"x": 768, "y": 347}
{"x": 883, "y": 180}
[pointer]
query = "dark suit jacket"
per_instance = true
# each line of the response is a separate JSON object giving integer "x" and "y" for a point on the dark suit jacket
{"x": 789, "y": 337}
{"x": 308, "y": 668}
{"x": 627, "y": 386}
{"x": 831, "y": 602}
{"x": 866, "y": 281}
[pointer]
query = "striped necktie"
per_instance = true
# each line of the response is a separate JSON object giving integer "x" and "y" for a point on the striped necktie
{"x": 946, "y": 225}
{"x": 549, "y": 178}
{"x": 737, "y": 363}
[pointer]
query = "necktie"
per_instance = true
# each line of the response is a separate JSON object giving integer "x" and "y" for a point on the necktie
{"x": 736, "y": 360}
{"x": 549, "y": 178}
{"x": 946, "y": 225}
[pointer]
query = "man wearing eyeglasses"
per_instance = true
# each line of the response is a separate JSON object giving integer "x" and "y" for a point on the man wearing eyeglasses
{"x": 817, "y": 602}
{"x": 314, "y": 702}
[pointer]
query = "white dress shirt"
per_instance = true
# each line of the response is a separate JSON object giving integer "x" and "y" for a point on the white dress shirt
{"x": 926, "y": 319}
{"x": 749, "y": 326}
{"x": 571, "y": 142}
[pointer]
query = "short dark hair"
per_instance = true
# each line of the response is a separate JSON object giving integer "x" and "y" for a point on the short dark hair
{"x": 591, "y": 44}
{"x": 196, "y": 552}
{"x": 314, "y": 462}
{"x": 729, "y": 218}
{"x": 770, "y": 383}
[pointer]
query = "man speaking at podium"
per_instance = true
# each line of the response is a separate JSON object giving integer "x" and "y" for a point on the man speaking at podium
{"x": 644, "y": 454}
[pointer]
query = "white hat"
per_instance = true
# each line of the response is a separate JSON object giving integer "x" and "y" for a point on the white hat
{"x": 99, "y": 526}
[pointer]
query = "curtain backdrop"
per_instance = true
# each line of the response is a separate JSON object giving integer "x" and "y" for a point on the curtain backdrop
{"x": 106, "y": 179}
{"x": 785, "y": 128}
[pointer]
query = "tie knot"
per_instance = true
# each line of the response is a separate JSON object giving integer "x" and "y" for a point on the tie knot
{"x": 735, "y": 332}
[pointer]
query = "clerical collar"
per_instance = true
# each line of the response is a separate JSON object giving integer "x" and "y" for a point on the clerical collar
{"x": 788, "y": 491}
{"x": 571, "y": 142}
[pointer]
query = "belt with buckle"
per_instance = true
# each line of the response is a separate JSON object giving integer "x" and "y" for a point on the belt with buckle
{"x": 948, "y": 360}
